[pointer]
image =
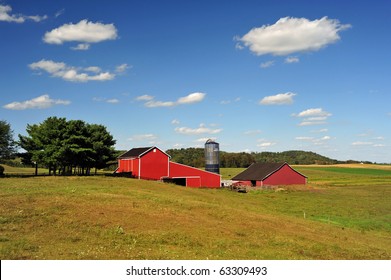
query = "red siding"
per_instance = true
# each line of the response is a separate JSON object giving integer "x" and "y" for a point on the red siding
{"x": 128, "y": 165}
{"x": 194, "y": 182}
{"x": 285, "y": 176}
{"x": 208, "y": 179}
{"x": 154, "y": 165}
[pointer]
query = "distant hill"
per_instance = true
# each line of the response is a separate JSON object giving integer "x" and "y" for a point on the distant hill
{"x": 195, "y": 157}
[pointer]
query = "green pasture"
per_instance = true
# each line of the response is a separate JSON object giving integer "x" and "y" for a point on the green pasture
{"x": 339, "y": 214}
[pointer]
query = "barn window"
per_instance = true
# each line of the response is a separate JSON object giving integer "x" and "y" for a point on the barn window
{"x": 253, "y": 183}
{"x": 154, "y": 150}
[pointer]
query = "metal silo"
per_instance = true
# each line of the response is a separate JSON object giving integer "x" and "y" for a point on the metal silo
{"x": 212, "y": 156}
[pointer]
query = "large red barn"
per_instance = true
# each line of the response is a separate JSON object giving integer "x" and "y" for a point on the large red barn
{"x": 151, "y": 163}
{"x": 270, "y": 174}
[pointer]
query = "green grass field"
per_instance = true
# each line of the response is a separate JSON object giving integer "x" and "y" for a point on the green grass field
{"x": 343, "y": 213}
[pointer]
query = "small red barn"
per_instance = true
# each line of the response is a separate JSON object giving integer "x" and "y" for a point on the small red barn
{"x": 151, "y": 163}
{"x": 269, "y": 174}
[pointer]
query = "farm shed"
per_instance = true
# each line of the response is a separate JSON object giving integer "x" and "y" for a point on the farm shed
{"x": 151, "y": 163}
{"x": 269, "y": 174}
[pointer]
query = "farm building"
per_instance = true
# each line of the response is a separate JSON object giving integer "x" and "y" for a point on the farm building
{"x": 151, "y": 163}
{"x": 269, "y": 174}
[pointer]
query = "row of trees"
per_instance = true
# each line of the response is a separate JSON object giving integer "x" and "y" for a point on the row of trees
{"x": 195, "y": 157}
{"x": 68, "y": 147}
{"x": 64, "y": 147}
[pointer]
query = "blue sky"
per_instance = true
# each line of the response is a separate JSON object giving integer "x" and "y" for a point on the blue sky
{"x": 253, "y": 75}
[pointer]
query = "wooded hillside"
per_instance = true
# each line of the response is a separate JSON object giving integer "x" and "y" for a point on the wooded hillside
{"x": 195, "y": 157}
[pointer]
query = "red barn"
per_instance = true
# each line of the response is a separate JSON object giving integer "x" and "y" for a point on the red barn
{"x": 270, "y": 174}
{"x": 151, "y": 163}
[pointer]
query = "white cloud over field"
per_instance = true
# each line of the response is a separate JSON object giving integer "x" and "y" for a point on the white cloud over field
{"x": 71, "y": 73}
{"x": 188, "y": 99}
{"x": 85, "y": 32}
{"x": 278, "y": 99}
{"x": 40, "y": 102}
{"x": 6, "y": 15}
{"x": 291, "y": 35}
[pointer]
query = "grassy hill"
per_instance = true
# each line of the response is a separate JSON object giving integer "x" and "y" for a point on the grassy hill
{"x": 341, "y": 214}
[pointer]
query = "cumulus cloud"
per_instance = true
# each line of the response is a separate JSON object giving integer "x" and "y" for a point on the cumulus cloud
{"x": 70, "y": 73}
{"x": 202, "y": 129}
{"x": 191, "y": 98}
{"x": 291, "y": 35}
{"x": 85, "y": 32}
{"x": 188, "y": 99}
{"x": 5, "y": 15}
{"x": 40, "y": 102}
{"x": 278, "y": 99}
{"x": 313, "y": 116}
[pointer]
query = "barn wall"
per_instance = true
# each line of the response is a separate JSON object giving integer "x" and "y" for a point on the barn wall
{"x": 194, "y": 182}
{"x": 154, "y": 165}
{"x": 128, "y": 165}
{"x": 208, "y": 179}
{"x": 285, "y": 176}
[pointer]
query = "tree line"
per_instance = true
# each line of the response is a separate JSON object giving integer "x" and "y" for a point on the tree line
{"x": 196, "y": 157}
{"x": 63, "y": 146}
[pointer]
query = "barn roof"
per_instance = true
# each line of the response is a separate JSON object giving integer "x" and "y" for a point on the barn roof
{"x": 138, "y": 152}
{"x": 260, "y": 171}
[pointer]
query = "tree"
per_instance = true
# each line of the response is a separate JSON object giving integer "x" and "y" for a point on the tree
{"x": 68, "y": 146}
{"x": 7, "y": 143}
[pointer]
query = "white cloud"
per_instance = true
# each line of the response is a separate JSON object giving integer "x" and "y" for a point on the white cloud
{"x": 70, "y": 73}
{"x": 102, "y": 99}
{"x": 84, "y": 31}
{"x": 144, "y": 97}
{"x": 6, "y": 16}
{"x": 313, "y": 140}
{"x": 292, "y": 59}
{"x": 313, "y": 116}
{"x": 267, "y": 64}
{"x": 189, "y": 99}
{"x": 291, "y": 35}
{"x": 112, "y": 101}
{"x": 278, "y": 99}
{"x": 315, "y": 112}
{"x": 175, "y": 122}
{"x": 122, "y": 68}
{"x": 154, "y": 104}
{"x": 81, "y": 47}
{"x": 94, "y": 69}
{"x": 263, "y": 144}
{"x": 40, "y": 102}
{"x": 196, "y": 131}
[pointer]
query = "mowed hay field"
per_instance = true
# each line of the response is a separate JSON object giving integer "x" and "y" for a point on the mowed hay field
{"x": 343, "y": 213}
